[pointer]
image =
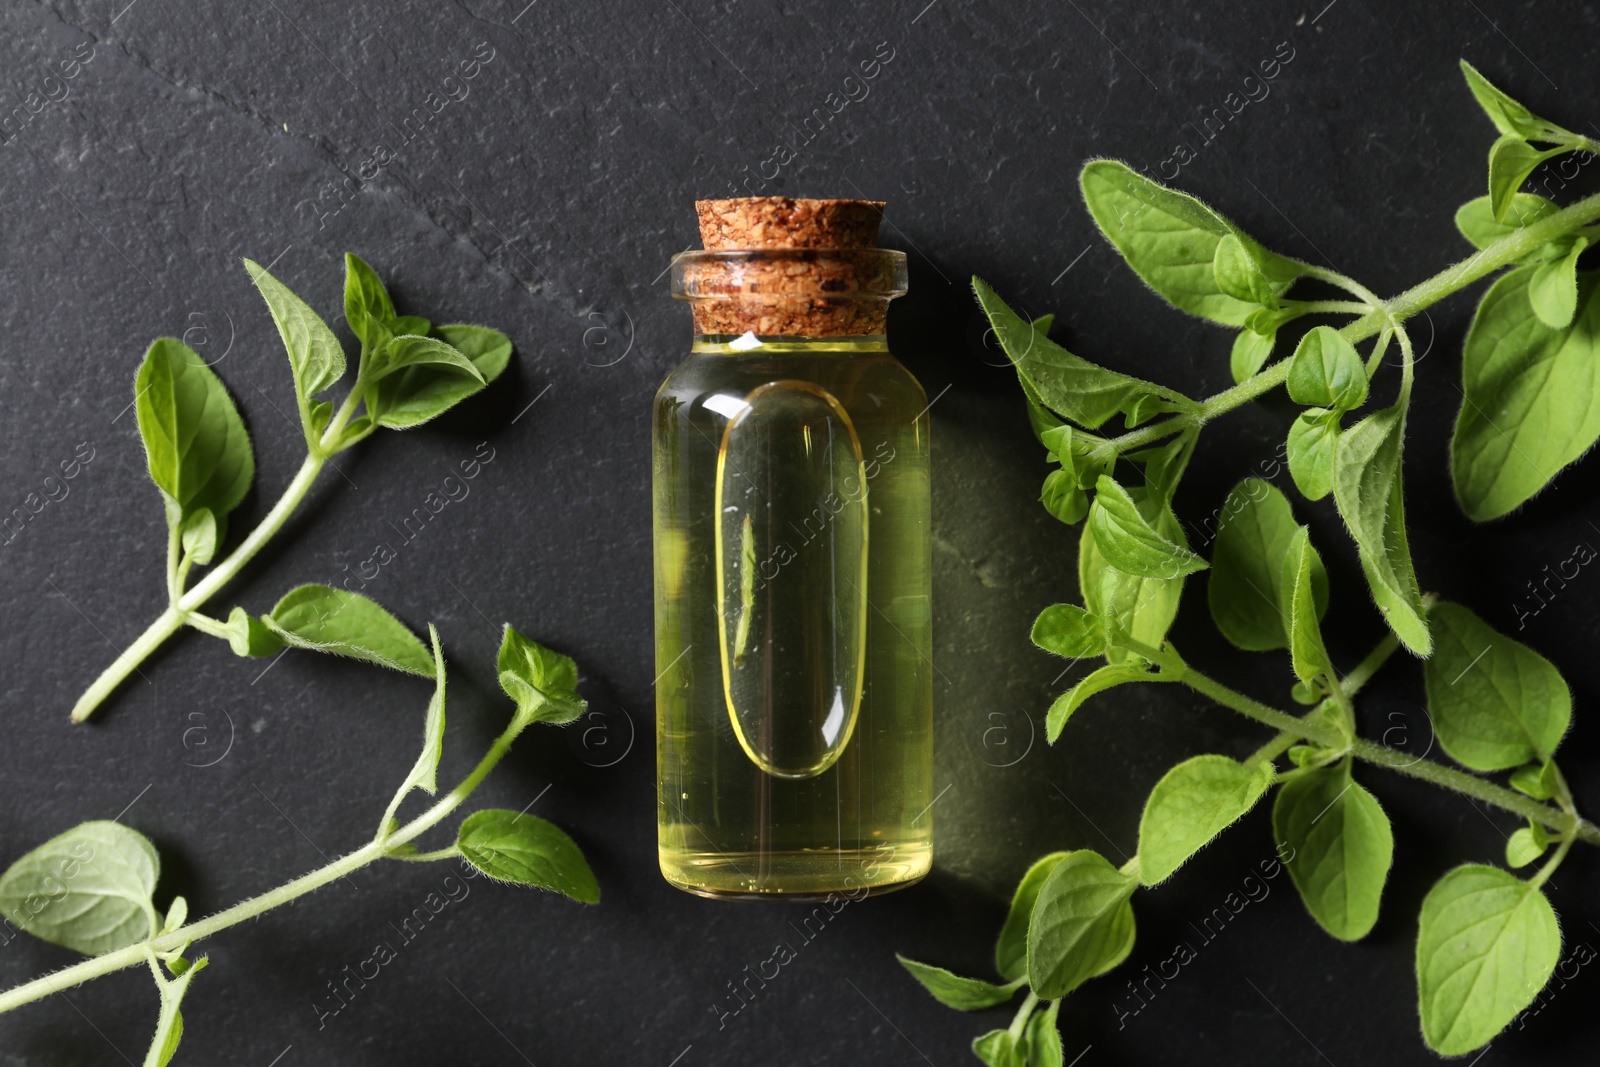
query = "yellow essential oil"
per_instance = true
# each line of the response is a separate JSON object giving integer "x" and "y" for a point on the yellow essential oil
{"x": 793, "y": 625}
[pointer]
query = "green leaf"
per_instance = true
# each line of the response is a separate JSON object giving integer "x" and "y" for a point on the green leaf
{"x": 1193, "y": 803}
{"x": 196, "y": 447}
{"x": 408, "y": 351}
{"x": 87, "y": 889}
{"x": 1070, "y": 631}
{"x": 1097, "y": 681}
{"x": 1508, "y": 116}
{"x": 1537, "y": 780}
{"x": 1082, "y": 924}
{"x": 315, "y": 356}
{"x": 367, "y": 307}
{"x": 1306, "y": 650}
{"x": 1367, "y": 488}
{"x": 1250, "y": 353}
{"x": 1071, "y": 387}
{"x": 1313, "y": 441}
{"x": 1238, "y": 274}
{"x": 1528, "y": 390}
{"x": 250, "y": 636}
{"x": 424, "y": 391}
{"x": 998, "y": 1048}
{"x": 327, "y": 619}
{"x": 416, "y": 324}
{"x": 1341, "y": 848}
{"x": 1526, "y": 845}
{"x": 1140, "y": 608}
{"x": 1130, "y": 542}
{"x": 1062, "y": 498}
{"x": 1246, "y": 589}
{"x": 1511, "y": 160}
{"x": 1487, "y": 942}
{"x": 1553, "y": 289}
{"x": 425, "y": 772}
{"x": 542, "y": 682}
{"x": 198, "y": 535}
{"x": 952, "y": 990}
{"x": 1477, "y": 223}
{"x": 1327, "y": 372}
{"x": 1011, "y": 949}
{"x": 1170, "y": 240}
{"x": 1495, "y": 703}
{"x": 526, "y": 850}
{"x": 1043, "y": 1038}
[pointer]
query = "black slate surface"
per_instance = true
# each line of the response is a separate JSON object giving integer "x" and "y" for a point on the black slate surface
{"x": 545, "y": 199}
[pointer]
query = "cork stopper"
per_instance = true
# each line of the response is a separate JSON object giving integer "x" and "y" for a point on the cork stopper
{"x": 781, "y": 222}
{"x": 777, "y": 266}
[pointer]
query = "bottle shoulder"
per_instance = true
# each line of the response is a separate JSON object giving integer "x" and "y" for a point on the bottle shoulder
{"x": 871, "y": 379}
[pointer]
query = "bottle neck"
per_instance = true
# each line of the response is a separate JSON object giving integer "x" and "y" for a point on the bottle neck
{"x": 749, "y": 343}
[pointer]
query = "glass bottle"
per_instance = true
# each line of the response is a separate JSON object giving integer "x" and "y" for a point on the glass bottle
{"x": 792, "y": 570}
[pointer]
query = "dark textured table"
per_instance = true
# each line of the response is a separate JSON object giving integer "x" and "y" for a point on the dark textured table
{"x": 544, "y": 196}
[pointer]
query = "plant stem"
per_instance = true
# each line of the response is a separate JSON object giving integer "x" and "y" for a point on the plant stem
{"x": 134, "y": 954}
{"x": 1362, "y": 673}
{"x": 1485, "y": 261}
{"x": 1020, "y": 1020}
{"x": 171, "y": 620}
{"x": 1414, "y": 766}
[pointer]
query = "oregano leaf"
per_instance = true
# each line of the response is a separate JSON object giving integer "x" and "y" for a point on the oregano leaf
{"x": 1509, "y": 116}
{"x": 1245, "y": 587}
{"x": 316, "y": 359}
{"x": 337, "y": 621}
{"x": 1307, "y": 652}
{"x": 1342, "y": 848}
{"x": 1141, "y": 608}
{"x": 424, "y": 391}
{"x": 1170, "y": 240}
{"x": 1011, "y": 948}
{"x": 1191, "y": 804}
{"x": 1070, "y": 631}
{"x": 954, "y": 991}
{"x": 1096, "y": 681}
{"x": 88, "y": 889}
{"x": 1528, "y": 393}
{"x": 1553, "y": 289}
{"x": 196, "y": 447}
{"x": 543, "y": 682}
{"x": 1367, "y": 488}
{"x": 524, "y": 849}
{"x": 1133, "y": 544}
{"x": 1313, "y": 440}
{"x": 1327, "y": 371}
{"x": 1082, "y": 923}
{"x": 1070, "y": 386}
{"x": 1511, "y": 161}
{"x": 367, "y": 307}
{"x": 1494, "y": 702}
{"x": 1487, "y": 942}
{"x": 1251, "y": 350}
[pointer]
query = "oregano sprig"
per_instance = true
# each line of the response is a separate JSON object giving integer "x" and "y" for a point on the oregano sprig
{"x": 92, "y": 889}
{"x": 200, "y": 459}
{"x": 1487, "y": 939}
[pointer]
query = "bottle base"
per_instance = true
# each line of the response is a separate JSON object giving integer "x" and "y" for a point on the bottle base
{"x": 800, "y": 876}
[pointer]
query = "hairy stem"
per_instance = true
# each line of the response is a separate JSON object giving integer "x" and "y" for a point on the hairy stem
{"x": 1019, "y": 1021}
{"x": 169, "y": 621}
{"x": 1362, "y": 673}
{"x": 1369, "y": 751}
{"x": 376, "y": 849}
